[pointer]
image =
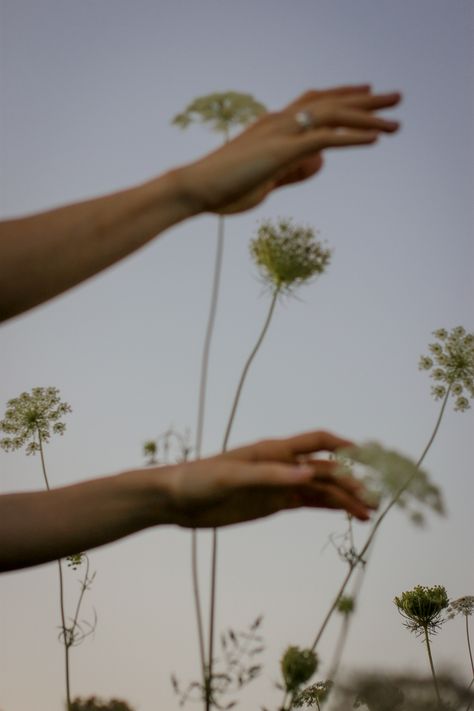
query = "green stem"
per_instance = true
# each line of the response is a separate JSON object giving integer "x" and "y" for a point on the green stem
{"x": 61, "y": 591}
{"x": 377, "y": 524}
{"x": 230, "y": 422}
{"x": 435, "y": 681}
{"x": 247, "y": 366}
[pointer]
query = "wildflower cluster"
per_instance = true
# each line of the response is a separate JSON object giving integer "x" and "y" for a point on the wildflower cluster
{"x": 297, "y": 667}
{"x": 461, "y": 606}
{"x": 288, "y": 255}
{"x": 313, "y": 695}
{"x": 452, "y": 365}
{"x": 221, "y": 111}
{"x": 423, "y": 608}
{"x": 388, "y": 471}
{"x": 75, "y": 560}
{"x": 32, "y": 418}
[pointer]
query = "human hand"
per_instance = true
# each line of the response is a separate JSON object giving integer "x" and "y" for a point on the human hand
{"x": 260, "y": 479}
{"x": 276, "y": 150}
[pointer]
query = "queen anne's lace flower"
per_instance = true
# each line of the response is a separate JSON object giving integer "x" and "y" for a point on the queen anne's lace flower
{"x": 288, "y": 255}
{"x": 422, "y": 608}
{"x": 461, "y": 606}
{"x": 222, "y": 111}
{"x": 453, "y": 356}
{"x": 387, "y": 471}
{"x": 313, "y": 695}
{"x": 31, "y": 418}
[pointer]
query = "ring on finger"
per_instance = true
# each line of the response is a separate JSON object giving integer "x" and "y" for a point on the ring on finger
{"x": 305, "y": 120}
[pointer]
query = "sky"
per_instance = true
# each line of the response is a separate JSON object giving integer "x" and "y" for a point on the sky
{"x": 88, "y": 93}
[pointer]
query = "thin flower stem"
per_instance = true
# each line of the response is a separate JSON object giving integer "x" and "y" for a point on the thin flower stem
{"x": 230, "y": 422}
{"x": 435, "y": 681}
{"x": 329, "y": 613}
{"x": 246, "y": 368}
{"x": 469, "y": 645}
{"x": 209, "y": 334}
{"x": 377, "y": 524}
{"x": 197, "y": 601}
{"x": 61, "y": 591}
{"x": 200, "y": 427}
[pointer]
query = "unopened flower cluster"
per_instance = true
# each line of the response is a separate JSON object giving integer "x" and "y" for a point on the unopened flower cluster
{"x": 297, "y": 667}
{"x": 387, "y": 473}
{"x": 32, "y": 418}
{"x": 452, "y": 365}
{"x": 288, "y": 255}
{"x": 345, "y": 605}
{"x": 423, "y": 607}
{"x": 221, "y": 111}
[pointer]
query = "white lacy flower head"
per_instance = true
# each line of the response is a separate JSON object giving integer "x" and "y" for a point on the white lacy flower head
{"x": 288, "y": 255}
{"x": 453, "y": 358}
{"x": 313, "y": 695}
{"x": 31, "y": 418}
{"x": 221, "y": 111}
{"x": 461, "y": 606}
{"x": 386, "y": 471}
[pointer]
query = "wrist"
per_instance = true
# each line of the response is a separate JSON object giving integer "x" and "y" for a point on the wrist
{"x": 180, "y": 185}
{"x": 148, "y": 494}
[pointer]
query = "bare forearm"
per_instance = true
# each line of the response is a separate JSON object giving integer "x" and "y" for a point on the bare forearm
{"x": 43, "y": 255}
{"x": 38, "y": 527}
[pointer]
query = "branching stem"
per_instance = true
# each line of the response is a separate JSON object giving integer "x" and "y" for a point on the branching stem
{"x": 375, "y": 527}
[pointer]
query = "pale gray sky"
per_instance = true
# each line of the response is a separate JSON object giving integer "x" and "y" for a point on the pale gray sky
{"x": 88, "y": 90}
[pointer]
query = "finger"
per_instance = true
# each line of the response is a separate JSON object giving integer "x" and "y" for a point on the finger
{"x": 371, "y": 102}
{"x": 289, "y": 448}
{"x": 352, "y": 118}
{"x": 238, "y": 475}
{"x": 334, "y": 138}
{"x": 314, "y": 94}
{"x": 332, "y": 497}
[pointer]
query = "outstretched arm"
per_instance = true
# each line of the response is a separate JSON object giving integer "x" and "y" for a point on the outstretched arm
{"x": 43, "y": 255}
{"x": 241, "y": 485}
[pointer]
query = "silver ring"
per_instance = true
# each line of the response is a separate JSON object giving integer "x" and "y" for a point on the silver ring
{"x": 305, "y": 120}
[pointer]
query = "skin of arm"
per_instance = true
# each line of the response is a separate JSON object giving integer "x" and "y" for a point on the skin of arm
{"x": 241, "y": 485}
{"x": 43, "y": 255}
